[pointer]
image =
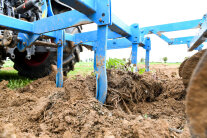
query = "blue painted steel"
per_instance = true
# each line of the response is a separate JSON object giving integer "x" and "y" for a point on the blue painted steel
{"x": 147, "y": 47}
{"x": 96, "y": 72}
{"x": 134, "y": 54}
{"x": 118, "y": 43}
{"x": 181, "y": 40}
{"x": 97, "y": 10}
{"x": 147, "y": 69}
{"x": 102, "y": 16}
{"x": 171, "y": 27}
{"x": 199, "y": 48}
{"x": 92, "y": 36}
{"x": 135, "y": 39}
{"x": 200, "y": 37}
{"x": 86, "y": 7}
{"x": 60, "y": 21}
{"x": 165, "y": 38}
{"x": 60, "y": 42}
{"x": 73, "y": 18}
{"x": 44, "y": 9}
{"x": 119, "y": 26}
{"x": 15, "y": 24}
{"x": 112, "y": 44}
{"x": 26, "y": 41}
{"x": 101, "y": 63}
{"x": 50, "y": 11}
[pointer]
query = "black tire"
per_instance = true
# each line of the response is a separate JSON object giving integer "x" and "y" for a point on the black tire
{"x": 33, "y": 71}
{"x": 43, "y": 68}
{"x": 2, "y": 57}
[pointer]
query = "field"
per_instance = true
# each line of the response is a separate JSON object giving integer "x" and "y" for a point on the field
{"x": 82, "y": 68}
{"x": 138, "y": 104}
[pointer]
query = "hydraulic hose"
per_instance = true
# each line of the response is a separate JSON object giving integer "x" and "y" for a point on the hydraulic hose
{"x": 26, "y": 6}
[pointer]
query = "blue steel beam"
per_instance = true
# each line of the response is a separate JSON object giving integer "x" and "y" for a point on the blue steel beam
{"x": 86, "y": 7}
{"x": 93, "y": 9}
{"x": 75, "y": 18}
{"x": 181, "y": 40}
{"x": 112, "y": 44}
{"x": 16, "y": 24}
{"x": 25, "y": 27}
{"x": 118, "y": 43}
{"x": 172, "y": 27}
{"x": 163, "y": 37}
{"x": 119, "y": 26}
{"x": 60, "y": 21}
{"x": 199, "y": 38}
{"x": 92, "y": 36}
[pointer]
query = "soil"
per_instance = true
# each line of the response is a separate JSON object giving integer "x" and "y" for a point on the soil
{"x": 196, "y": 99}
{"x": 148, "y": 105}
{"x": 187, "y": 69}
{"x": 181, "y": 67}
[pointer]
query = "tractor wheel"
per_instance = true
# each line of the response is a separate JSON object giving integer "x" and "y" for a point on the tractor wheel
{"x": 187, "y": 67}
{"x": 1, "y": 61}
{"x": 2, "y": 56}
{"x": 197, "y": 99}
{"x": 40, "y": 64}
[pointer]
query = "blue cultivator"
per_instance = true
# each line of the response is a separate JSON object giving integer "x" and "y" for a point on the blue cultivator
{"x": 112, "y": 33}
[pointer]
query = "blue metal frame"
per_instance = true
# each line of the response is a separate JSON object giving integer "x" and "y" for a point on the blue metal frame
{"x": 112, "y": 33}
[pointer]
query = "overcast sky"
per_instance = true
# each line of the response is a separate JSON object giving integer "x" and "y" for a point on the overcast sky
{"x": 156, "y": 12}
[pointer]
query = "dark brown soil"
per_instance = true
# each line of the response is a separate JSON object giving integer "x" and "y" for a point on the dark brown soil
{"x": 197, "y": 99}
{"x": 189, "y": 67}
{"x": 181, "y": 67}
{"x": 148, "y": 105}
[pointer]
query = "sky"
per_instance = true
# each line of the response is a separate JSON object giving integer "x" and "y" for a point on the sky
{"x": 155, "y": 12}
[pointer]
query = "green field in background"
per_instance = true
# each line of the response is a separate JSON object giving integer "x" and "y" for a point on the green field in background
{"x": 81, "y": 68}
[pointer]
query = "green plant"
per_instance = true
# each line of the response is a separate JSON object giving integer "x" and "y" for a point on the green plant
{"x": 142, "y": 60}
{"x": 145, "y": 116}
{"x": 165, "y": 59}
{"x": 115, "y": 63}
{"x": 141, "y": 71}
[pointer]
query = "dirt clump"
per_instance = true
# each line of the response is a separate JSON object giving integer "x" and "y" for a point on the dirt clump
{"x": 148, "y": 105}
{"x": 187, "y": 68}
{"x": 197, "y": 99}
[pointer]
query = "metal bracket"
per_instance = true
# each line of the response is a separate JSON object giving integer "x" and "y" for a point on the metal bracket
{"x": 30, "y": 52}
{"x": 135, "y": 39}
{"x": 11, "y": 52}
{"x": 26, "y": 40}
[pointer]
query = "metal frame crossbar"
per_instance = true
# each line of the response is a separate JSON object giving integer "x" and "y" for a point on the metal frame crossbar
{"x": 112, "y": 33}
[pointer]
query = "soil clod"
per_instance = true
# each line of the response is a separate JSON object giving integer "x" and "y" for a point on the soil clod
{"x": 145, "y": 105}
